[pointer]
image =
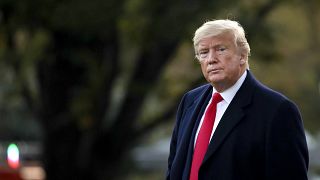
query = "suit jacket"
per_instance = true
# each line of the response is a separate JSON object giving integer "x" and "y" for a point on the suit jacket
{"x": 260, "y": 137}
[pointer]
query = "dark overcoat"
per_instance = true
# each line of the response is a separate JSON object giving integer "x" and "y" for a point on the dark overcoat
{"x": 259, "y": 137}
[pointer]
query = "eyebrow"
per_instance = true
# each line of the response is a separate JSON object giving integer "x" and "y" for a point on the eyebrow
{"x": 214, "y": 46}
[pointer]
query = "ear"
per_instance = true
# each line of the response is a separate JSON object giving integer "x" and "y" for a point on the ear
{"x": 242, "y": 59}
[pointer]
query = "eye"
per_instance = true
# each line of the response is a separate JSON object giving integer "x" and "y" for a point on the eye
{"x": 221, "y": 49}
{"x": 203, "y": 53}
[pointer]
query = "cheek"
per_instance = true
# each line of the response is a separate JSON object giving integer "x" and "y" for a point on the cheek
{"x": 203, "y": 68}
{"x": 232, "y": 63}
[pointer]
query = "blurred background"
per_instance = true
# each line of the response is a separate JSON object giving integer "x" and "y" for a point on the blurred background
{"x": 89, "y": 89}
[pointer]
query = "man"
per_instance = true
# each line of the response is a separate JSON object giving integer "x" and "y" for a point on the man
{"x": 234, "y": 128}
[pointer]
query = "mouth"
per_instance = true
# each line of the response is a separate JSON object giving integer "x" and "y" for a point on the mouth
{"x": 214, "y": 71}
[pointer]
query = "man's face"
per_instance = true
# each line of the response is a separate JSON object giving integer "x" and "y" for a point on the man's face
{"x": 221, "y": 61}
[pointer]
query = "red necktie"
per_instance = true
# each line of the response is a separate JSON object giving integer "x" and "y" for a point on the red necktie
{"x": 204, "y": 136}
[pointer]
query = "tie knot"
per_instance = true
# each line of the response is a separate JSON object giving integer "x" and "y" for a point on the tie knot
{"x": 216, "y": 98}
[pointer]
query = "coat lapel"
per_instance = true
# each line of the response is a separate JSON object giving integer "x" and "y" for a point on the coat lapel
{"x": 226, "y": 125}
{"x": 232, "y": 115}
{"x": 196, "y": 111}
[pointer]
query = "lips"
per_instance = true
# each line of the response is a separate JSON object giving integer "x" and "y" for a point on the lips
{"x": 213, "y": 70}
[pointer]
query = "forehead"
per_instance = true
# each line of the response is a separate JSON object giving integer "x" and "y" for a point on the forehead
{"x": 223, "y": 39}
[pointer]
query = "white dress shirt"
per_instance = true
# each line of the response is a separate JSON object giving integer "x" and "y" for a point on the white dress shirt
{"x": 227, "y": 96}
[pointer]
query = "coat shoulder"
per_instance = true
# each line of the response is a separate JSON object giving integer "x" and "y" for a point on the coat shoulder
{"x": 196, "y": 93}
{"x": 270, "y": 96}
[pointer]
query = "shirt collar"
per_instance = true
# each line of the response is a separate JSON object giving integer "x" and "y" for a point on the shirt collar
{"x": 231, "y": 92}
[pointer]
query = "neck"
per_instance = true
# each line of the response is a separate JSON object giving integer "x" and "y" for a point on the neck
{"x": 221, "y": 87}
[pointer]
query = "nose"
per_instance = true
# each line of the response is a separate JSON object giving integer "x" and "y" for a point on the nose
{"x": 212, "y": 56}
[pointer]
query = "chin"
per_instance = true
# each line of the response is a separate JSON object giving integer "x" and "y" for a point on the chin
{"x": 215, "y": 79}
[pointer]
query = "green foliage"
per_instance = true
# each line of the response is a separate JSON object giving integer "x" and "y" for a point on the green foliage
{"x": 86, "y": 70}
